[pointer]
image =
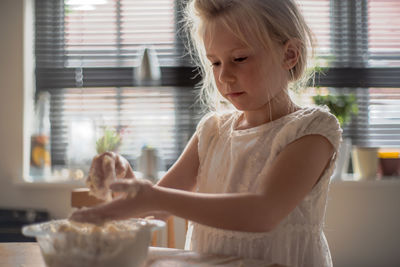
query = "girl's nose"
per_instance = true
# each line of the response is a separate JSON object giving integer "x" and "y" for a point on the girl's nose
{"x": 226, "y": 75}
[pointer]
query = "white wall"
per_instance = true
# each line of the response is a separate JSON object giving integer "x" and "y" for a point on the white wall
{"x": 363, "y": 219}
{"x": 363, "y": 223}
{"x": 12, "y": 81}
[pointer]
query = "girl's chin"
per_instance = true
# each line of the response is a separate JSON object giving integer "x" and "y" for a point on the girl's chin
{"x": 239, "y": 106}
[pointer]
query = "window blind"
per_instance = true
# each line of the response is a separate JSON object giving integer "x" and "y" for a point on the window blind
{"x": 159, "y": 117}
{"x": 378, "y": 124}
{"x": 104, "y": 33}
{"x": 99, "y": 44}
{"x": 111, "y": 33}
{"x": 383, "y": 124}
{"x": 361, "y": 58}
{"x": 86, "y": 54}
{"x": 316, "y": 14}
{"x": 384, "y": 33}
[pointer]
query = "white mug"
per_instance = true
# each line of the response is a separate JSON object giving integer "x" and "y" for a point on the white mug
{"x": 365, "y": 163}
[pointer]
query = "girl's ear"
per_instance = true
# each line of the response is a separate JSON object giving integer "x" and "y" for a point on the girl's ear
{"x": 291, "y": 51}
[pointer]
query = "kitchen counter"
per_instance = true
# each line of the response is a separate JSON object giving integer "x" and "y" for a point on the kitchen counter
{"x": 28, "y": 255}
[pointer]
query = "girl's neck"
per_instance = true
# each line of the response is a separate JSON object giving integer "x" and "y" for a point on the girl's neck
{"x": 274, "y": 110}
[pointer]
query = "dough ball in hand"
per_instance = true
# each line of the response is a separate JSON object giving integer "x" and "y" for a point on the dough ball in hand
{"x": 106, "y": 169}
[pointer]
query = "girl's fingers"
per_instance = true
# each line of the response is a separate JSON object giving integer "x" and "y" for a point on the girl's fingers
{"x": 110, "y": 164}
{"x": 109, "y": 168}
{"x": 86, "y": 216}
{"x": 123, "y": 186}
{"x": 95, "y": 168}
{"x": 122, "y": 167}
{"x": 130, "y": 187}
{"x": 130, "y": 174}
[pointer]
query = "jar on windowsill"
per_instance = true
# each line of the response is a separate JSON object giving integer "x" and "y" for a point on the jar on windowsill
{"x": 389, "y": 164}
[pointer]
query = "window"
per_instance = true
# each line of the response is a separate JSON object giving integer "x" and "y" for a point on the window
{"x": 384, "y": 52}
{"x": 86, "y": 55}
{"x": 359, "y": 54}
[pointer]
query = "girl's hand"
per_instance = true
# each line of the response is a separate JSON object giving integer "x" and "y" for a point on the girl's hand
{"x": 105, "y": 169}
{"x": 137, "y": 199}
{"x": 129, "y": 188}
{"x": 111, "y": 164}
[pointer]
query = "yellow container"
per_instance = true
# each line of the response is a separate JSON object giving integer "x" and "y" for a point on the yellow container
{"x": 388, "y": 155}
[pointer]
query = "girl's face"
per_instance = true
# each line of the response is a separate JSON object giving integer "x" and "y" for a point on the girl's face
{"x": 247, "y": 77}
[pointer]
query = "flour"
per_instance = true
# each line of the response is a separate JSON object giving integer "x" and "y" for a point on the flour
{"x": 71, "y": 244}
{"x": 99, "y": 186}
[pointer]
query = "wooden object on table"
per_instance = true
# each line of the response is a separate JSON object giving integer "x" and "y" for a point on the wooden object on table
{"x": 81, "y": 198}
{"x": 170, "y": 232}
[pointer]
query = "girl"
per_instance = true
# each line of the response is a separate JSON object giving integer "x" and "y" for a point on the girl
{"x": 253, "y": 181}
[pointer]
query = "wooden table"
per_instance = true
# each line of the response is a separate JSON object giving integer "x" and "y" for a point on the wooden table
{"x": 28, "y": 255}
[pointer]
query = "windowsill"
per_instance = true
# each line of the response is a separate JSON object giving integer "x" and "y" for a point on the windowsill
{"x": 63, "y": 184}
{"x": 349, "y": 180}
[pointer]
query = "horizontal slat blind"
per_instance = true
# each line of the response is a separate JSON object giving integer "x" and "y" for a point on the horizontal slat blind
{"x": 85, "y": 55}
{"x": 384, "y": 33}
{"x": 107, "y": 34}
{"x": 349, "y": 33}
{"x": 378, "y": 121}
{"x": 316, "y": 14}
{"x": 362, "y": 59}
{"x": 49, "y": 34}
{"x": 161, "y": 117}
{"x": 384, "y": 117}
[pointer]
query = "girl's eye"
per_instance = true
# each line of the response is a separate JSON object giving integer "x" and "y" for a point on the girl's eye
{"x": 240, "y": 59}
{"x": 215, "y": 64}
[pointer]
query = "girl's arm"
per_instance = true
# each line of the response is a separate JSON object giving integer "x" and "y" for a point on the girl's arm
{"x": 293, "y": 174}
{"x": 182, "y": 175}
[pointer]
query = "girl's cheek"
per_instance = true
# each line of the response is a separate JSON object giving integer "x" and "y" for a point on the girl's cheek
{"x": 216, "y": 75}
{"x": 215, "y": 72}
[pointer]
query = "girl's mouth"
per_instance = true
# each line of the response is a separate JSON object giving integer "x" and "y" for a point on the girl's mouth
{"x": 235, "y": 94}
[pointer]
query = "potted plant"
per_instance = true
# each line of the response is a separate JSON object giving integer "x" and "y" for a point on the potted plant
{"x": 343, "y": 106}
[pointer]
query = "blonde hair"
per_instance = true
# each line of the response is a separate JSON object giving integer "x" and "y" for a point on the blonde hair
{"x": 271, "y": 23}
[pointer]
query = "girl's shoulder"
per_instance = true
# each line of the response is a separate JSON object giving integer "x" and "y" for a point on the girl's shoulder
{"x": 209, "y": 129}
{"x": 314, "y": 116}
{"x": 309, "y": 121}
{"x": 216, "y": 119}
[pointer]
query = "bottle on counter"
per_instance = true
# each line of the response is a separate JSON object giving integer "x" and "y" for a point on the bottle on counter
{"x": 40, "y": 163}
{"x": 150, "y": 163}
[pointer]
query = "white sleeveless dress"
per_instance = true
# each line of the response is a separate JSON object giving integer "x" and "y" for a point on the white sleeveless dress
{"x": 237, "y": 160}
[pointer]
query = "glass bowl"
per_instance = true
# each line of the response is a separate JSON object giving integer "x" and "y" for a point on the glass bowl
{"x": 118, "y": 243}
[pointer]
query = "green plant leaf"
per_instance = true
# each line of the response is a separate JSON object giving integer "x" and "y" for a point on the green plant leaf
{"x": 342, "y": 106}
{"x": 110, "y": 141}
